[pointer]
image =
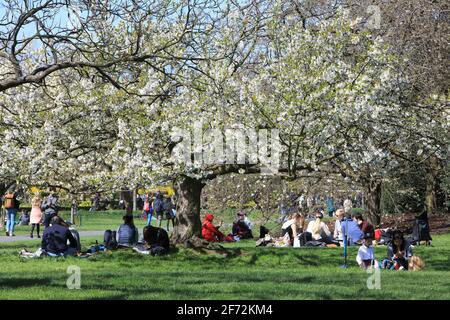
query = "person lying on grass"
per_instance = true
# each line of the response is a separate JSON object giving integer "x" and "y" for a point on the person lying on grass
{"x": 211, "y": 233}
{"x": 55, "y": 238}
{"x": 366, "y": 257}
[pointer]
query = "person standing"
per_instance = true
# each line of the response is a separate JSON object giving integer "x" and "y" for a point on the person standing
{"x": 36, "y": 215}
{"x": 330, "y": 206}
{"x": 11, "y": 205}
{"x": 50, "y": 207}
{"x": 310, "y": 204}
{"x": 95, "y": 202}
{"x": 148, "y": 209}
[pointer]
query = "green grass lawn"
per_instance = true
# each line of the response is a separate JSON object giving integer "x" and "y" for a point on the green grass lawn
{"x": 101, "y": 220}
{"x": 251, "y": 273}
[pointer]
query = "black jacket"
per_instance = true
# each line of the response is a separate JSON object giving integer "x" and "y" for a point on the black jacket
{"x": 154, "y": 236}
{"x": 55, "y": 239}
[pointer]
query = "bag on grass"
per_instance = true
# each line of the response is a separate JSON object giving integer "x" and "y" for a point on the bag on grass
{"x": 158, "y": 251}
{"x": 315, "y": 243}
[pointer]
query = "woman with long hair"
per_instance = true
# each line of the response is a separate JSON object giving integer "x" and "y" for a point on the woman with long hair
{"x": 293, "y": 226}
{"x": 319, "y": 230}
{"x": 399, "y": 251}
{"x": 35, "y": 215}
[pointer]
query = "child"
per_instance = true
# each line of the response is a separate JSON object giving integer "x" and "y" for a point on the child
{"x": 365, "y": 257}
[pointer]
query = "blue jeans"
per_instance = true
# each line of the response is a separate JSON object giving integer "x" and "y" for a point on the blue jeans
{"x": 149, "y": 217}
{"x": 11, "y": 214}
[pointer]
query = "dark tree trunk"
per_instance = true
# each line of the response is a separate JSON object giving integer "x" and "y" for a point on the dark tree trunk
{"x": 188, "y": 225}
{"x": 373, "y": 201}
{"x": 430, "y": 195}
{"x": 430, "y": 183}
{"x": 127, "y": 196}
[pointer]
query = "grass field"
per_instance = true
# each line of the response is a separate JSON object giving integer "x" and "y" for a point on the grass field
{"x": 101, "y": 220}
{"x": 249, "y": 273}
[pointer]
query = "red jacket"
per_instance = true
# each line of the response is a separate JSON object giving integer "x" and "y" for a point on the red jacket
{"x": 209, "y": 231}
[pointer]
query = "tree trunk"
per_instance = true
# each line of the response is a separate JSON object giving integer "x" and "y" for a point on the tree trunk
{"x": 373, "y": 201}
{"x": 430, "y": 189}
{"x": 127, "y": 196}
{"x": 188, "y": 225}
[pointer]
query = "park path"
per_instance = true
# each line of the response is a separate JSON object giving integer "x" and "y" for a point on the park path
{"x": 91, "y": 233}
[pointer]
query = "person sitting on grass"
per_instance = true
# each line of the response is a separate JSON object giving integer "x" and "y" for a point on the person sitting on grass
{"x": 364, "y": 225}
{"x": 242, "y": 229}
{"x": 337, "y": 234}
{"x": 127, "y": 234}
{"x": 24, "y": 218}
{"x": 293, "y": 227}
{"x": 399, "y": 252}
{"x": 55, "y": 238}
{"x": 319, "y": 230}
{"x": 366, "y": 257}
{"x": 211, "y": 233}
{"x": 351, "y": 230}
{"x": 157, "y": 239}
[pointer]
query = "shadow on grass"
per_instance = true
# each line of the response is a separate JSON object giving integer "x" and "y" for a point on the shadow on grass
{"x": 14, "y": 283}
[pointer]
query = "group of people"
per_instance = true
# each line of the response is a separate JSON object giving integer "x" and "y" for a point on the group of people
{"x": 399, "y": 255}
{"x": 354, "y": 229}
{"x": 41, "y": 211}
{"x": 308, "y": 204}
{"x": 155, "y": 239}
{"x": 60, "y": 239}
{"x": 241, "y": 229}
{"x": 162, "y": 207}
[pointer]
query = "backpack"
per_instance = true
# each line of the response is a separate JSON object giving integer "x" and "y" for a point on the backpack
{"x": 9, "y": 201}
{"x": 158, "y": 205}
{"x": 158, "y": 251}
{"x": 304, "y": 237}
